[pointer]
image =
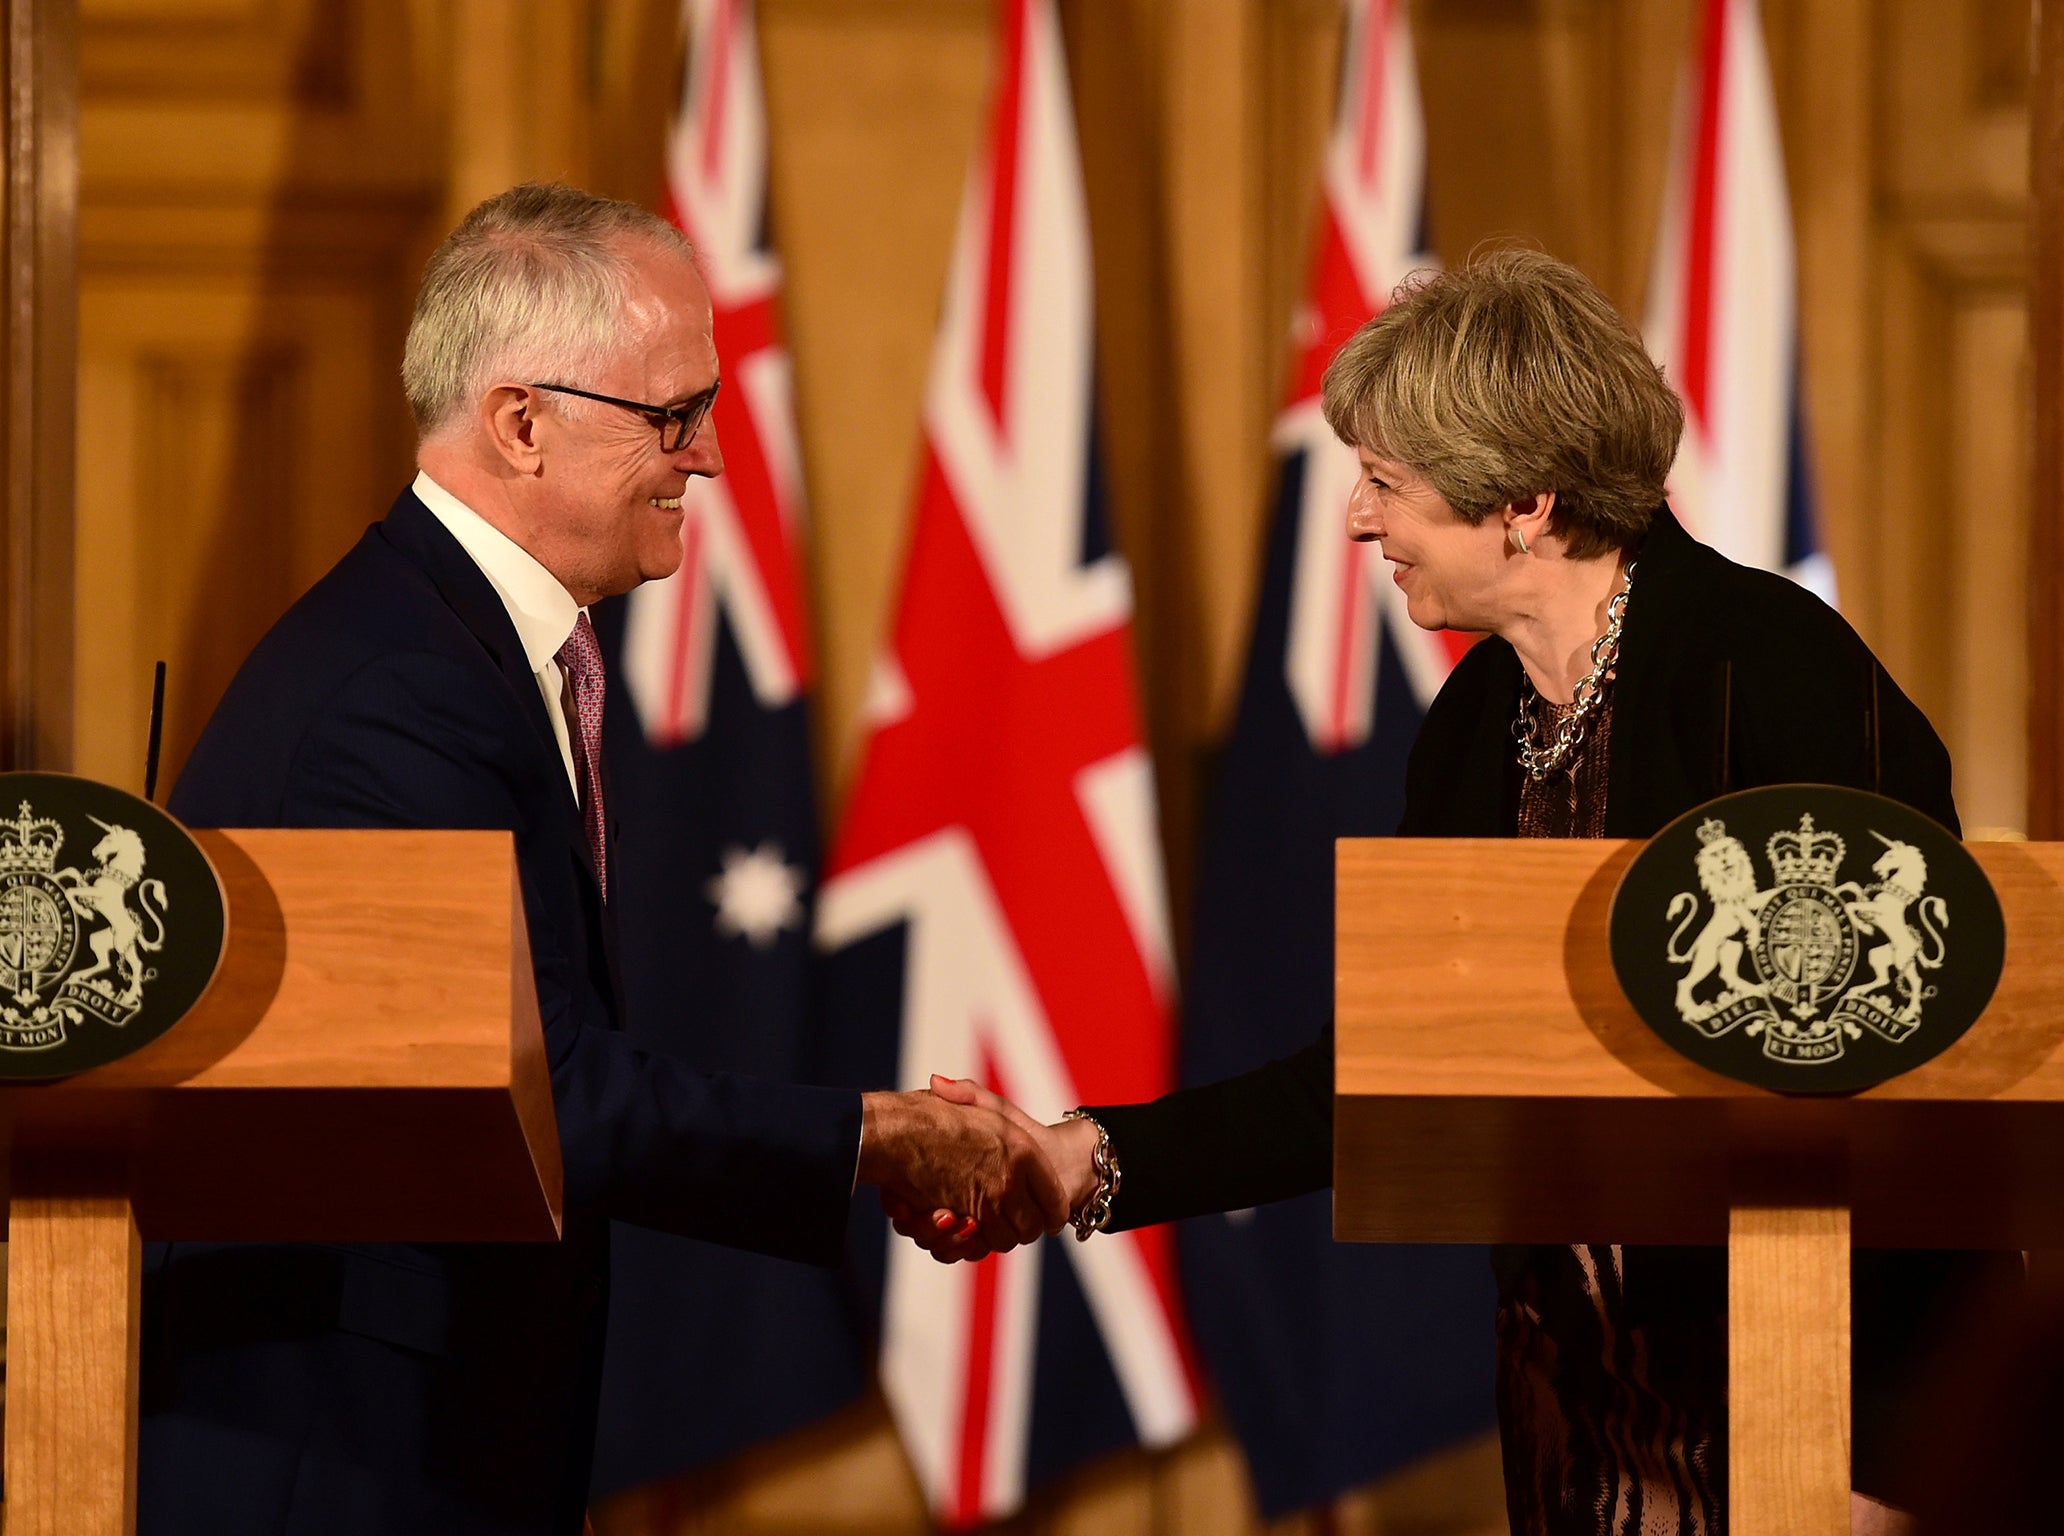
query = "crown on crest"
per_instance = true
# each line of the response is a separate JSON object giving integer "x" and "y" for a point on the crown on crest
{"x": 1711, "y": 831}
{"x": 1805, "y": 857}
{"x": 29, "y": 843}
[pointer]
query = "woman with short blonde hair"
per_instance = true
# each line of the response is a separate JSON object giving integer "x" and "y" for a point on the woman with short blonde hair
{"x": 1473, "y": 377}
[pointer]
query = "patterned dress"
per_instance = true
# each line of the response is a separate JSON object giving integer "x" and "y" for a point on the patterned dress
{"x": 1612, "y": 1361}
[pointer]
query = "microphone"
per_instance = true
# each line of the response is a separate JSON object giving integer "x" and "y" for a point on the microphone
{"x": 157, "y": 735}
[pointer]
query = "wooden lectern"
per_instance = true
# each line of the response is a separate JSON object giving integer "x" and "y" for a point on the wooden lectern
{"x": 1494, "y": 1085}
{"x": 367, "y": 1065}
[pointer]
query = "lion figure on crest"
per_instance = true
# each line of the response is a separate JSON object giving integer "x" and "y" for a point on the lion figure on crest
{"x": 1898, "y": 957}
{"x": 1728, "y": 877}
{"x": 121, "y": 943}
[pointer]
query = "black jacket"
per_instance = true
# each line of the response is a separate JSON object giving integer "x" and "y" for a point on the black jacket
{"x": 1728, "y": 678}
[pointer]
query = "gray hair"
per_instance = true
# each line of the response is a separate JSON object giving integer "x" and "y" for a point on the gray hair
{"x": 1508, "y": 376}
{"x": 533, "y": 283}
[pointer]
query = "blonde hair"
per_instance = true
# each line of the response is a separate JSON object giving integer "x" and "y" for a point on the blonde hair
{"x": 532, "y": 284}
{"x": 1507, "y": 377}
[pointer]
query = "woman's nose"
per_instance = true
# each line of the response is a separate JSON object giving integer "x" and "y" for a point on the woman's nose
{"x": 1363, "y": 524}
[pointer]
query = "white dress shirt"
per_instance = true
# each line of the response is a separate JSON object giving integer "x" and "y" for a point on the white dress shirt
{"x": 543, "y": 611}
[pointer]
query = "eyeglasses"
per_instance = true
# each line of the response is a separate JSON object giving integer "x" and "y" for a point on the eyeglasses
{"x": 677, "y": 424}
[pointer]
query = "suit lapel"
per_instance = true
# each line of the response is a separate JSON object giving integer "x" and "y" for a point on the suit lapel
{"x": 414, "y": 530}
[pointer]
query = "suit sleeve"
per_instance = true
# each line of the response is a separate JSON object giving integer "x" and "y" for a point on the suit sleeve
{"x": 415, "y": 741}
{"x": 1262, "y": 1136}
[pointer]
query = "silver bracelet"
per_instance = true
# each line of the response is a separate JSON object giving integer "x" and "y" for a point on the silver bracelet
{"x": 1095, "y": 1214}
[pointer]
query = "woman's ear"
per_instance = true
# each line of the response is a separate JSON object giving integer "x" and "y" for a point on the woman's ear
{"x": 1526, "y": 520}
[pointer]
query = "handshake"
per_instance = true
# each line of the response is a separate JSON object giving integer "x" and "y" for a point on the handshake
{"x": 964, "y": 1173}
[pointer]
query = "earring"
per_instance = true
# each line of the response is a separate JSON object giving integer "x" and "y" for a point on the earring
{"x": 1518, "y": 539}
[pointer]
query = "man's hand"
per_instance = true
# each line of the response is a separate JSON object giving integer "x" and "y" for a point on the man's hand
{"x": 983, "y": 1163}
{"x": 947, "y": 1232}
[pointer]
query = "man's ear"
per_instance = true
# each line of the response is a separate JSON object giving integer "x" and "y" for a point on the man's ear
{"x": 508, "y": 416}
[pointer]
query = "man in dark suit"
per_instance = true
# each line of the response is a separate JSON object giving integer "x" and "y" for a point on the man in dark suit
{"x": 560, "y": 366}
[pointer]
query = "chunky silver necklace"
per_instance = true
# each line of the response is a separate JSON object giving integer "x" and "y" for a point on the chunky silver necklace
{"x": 1538, "y": 760}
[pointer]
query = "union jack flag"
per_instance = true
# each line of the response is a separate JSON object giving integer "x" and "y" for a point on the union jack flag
{"x": 1369, "y": 238}
{"x": 741, "y": 533}
{"x": 711, "y": 1350}
{"x": 1335, "y": 1362}
{"x": 1001, "y": 839}
{"x": 1723, "y": 310}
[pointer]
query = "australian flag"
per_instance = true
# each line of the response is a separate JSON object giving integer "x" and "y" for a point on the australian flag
{"x": 1334, "y": 1362}
{"x": 714, "y": 873}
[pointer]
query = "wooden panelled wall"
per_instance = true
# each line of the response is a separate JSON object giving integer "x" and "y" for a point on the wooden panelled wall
{"x": 261, "y": 180}
{"x": 39, "y": 345}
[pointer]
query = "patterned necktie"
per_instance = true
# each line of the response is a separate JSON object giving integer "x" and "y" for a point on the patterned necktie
{"x": 581, "y": 659}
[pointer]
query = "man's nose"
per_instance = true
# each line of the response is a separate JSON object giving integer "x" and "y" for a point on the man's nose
{"x": 703, "y": 455}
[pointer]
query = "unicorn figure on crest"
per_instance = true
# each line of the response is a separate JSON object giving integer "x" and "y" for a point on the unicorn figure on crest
{"x": 1898, "y": 957}
{"x": 118, "y": 970}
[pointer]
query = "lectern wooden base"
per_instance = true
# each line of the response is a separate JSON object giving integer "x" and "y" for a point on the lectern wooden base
{"x": 75, "y": 1265}
{"x": 1788, "y": 1371}
{"x": 1495, "y": 1086}
{"x": 367, "y": 1064}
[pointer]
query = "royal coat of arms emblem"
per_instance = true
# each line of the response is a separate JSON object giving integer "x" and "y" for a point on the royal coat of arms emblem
{"x": 46, "y": 910}
{"x": 82, "y": 938}
{"x": 1802, "y": 936}
{"x": 1821, "y": 960}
